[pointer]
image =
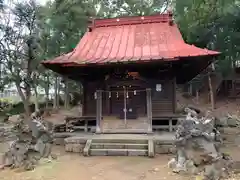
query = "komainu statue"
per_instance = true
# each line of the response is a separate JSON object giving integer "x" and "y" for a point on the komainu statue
{"x": 198, "y": 137}
{"x": 33, "y": 142}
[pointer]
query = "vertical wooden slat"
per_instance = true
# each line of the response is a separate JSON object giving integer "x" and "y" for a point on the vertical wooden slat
{"x": 149, "y": 109}
{"x": 99, "y": 111}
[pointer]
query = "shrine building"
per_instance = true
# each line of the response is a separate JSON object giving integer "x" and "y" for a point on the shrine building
{"x": 129, "y": 68}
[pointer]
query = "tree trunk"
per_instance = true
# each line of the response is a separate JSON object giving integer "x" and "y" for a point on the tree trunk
{"x": 24, "y": 100}
{"x": 66, "y": 98}
{"x": 58, "y": 92}
{"x": 36, "y": 99}
{"x": 211, "y": 92}
{"x": 28, "y": 80}
{"x": 55, "y": 92}
{"x": 47, "y": 91}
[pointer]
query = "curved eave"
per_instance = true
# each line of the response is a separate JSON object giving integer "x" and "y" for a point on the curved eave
{"x": 67, "y": 63}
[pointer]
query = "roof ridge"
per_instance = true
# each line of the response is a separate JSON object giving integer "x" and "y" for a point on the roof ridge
{"x": 131, "y": 20}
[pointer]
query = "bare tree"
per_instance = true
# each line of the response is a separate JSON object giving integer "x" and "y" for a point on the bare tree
{"x": 18, "y": 46}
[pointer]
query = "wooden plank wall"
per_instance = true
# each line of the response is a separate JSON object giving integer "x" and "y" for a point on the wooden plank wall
{"x": 89, "y": 99}
{"x": 163, "y": 101}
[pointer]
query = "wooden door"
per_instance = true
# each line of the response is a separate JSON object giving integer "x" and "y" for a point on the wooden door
{"x": 116, "y": 101}
{"x": 135, "y": 101}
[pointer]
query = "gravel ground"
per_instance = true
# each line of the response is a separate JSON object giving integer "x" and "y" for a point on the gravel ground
{"x": 75, "y": 167}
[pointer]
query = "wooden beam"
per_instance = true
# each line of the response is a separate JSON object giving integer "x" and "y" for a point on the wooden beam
{"x": 149, "y": 109}
{"x": 99, "y": 111}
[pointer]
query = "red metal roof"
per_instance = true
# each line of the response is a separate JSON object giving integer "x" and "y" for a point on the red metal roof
{"x": 134, "y": 39}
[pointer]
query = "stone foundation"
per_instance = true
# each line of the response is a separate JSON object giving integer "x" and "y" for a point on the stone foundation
{"x": 77, "y": 145}
{"x": 164, "y": 149}
{"x": 159, "y": 149}
{"x": 59, "y": 141}
{"x": 76, "y": 148}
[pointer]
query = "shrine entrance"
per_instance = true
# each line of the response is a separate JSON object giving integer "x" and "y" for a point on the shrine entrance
{"x": 128, "y": 102}
{"x": 129, "y": 110}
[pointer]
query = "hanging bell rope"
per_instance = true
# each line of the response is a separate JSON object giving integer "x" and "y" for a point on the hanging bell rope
{"x": 119, "y": 91}
{"x": 135, "y": 92}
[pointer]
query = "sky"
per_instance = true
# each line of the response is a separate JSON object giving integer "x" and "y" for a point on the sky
{"x": 42, "y": 2}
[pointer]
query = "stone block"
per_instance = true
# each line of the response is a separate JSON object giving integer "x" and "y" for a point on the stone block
{"x": 68, "y": 147}
{"x": 97, "y": 146}
{"x": 114, "y": 146}
{"x": 58, "y": 141}
{"x": 137, "y": 152}
{"x": 136, "y": 146}
{"x": 75, "y": 140}
{"x": 77, "y": 148}
{"x": 230, "y": 131}
{"x": 151, "y": 148}
{"x": 98, "y": 152}
{"x": 222, "y": 122}
{"x": 232, "y": 122}
{"x": 173, "y": 150}
{"x": 162, "y": 149}
{"x": 93, "y": 129}
{"x": 165, "y": 142}
{"x": 86, "y": 148}
{"x": 117, "y": 152}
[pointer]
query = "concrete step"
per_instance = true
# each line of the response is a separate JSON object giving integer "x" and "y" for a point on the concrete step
{"x": 121, "y": 140}
{"x": 118, "y": 152}
{"x": 118, "y": 146}
{"x": 125, "y": 131}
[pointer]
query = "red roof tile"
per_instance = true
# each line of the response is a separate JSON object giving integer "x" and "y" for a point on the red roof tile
{"x": 146, "y": 38}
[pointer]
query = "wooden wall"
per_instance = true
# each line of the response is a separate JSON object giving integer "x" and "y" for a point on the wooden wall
{"x": 89, "y": 102}
{"x": 163, "y": 102}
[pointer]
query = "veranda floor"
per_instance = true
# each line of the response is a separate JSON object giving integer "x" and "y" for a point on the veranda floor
{"x": 113, "y": 124}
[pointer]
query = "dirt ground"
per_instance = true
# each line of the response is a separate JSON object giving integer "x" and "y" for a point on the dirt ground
{"x": 76, "y": 167}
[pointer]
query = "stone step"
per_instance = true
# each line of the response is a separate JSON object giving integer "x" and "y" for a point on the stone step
{"x": 118, "y": 152}
{"x": 125, "y": 131}
{"x": 118, "y": 146}
{"x": 121, "y": 141}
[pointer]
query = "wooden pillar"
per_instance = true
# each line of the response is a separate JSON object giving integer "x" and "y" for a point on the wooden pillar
{"x": 149, "y": 109}
{"x": 99, "y": 111}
